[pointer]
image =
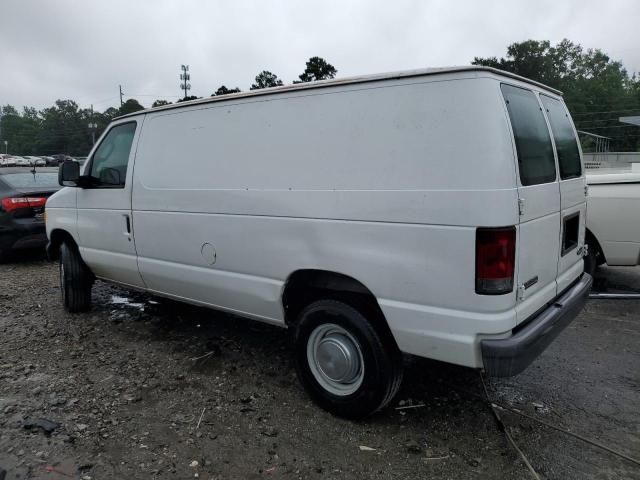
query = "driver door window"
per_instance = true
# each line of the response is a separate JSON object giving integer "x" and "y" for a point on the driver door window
{"x": 109, "y": 162}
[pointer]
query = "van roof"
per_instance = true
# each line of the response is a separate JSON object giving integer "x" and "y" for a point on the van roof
{"x": 343, "y": 81}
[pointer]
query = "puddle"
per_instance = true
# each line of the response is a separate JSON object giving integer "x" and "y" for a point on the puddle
{"x": 116, "y": 300}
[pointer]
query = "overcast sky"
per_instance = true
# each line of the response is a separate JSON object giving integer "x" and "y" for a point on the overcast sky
{"x": 83, "y": 50}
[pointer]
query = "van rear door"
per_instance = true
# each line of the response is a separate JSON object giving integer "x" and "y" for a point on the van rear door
{"x": 538, "y": 239}
{"x": 572, "y": 191}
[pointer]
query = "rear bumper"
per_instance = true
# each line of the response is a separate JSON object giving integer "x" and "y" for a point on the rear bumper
{"x": 510, "y": 356}
{"x": 22, "y": 233}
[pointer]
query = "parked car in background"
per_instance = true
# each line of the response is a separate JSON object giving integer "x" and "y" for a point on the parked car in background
{"x": 36, "y": 161}
{"x": 59, "y": 158}
{"x": 21, "y": 161}
{"x": 7, "y": 161}
{"x": 23, "y": 195}
{"x": 613, "y": 219}
{"x": 439, "y": 213}
{"x": 50, "y": 161}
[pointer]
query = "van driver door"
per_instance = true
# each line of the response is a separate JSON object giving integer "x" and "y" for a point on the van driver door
{"x": 105, "y": 227}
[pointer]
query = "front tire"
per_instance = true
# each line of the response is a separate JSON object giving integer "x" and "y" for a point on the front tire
{"x": 75, "y": 280}
{"x": 347, "y": 366}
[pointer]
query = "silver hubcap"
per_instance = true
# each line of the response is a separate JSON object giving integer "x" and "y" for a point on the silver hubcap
{"x": 335, "y": 359}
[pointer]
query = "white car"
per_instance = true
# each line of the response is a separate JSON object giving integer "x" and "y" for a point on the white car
{"x": 422, "y": 212}
{"x": 6, "y": 161}
{"x": 613, "y": 219}
{"x": 37, "y": 161}
{"x": 21, "y": 161}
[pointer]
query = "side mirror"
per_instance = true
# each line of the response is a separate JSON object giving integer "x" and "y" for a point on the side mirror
{"x": 69, "y": 173}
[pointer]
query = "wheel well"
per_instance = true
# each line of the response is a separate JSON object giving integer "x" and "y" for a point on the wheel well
{"x": 57, "y": 238}
{"x": 304, "y": 287}
{"x": 592, "y": 241}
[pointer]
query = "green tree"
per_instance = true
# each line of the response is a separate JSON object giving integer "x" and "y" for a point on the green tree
{"x": 186, "y": 99}
{"x": 596, "y": 88}
{"x": 11, "y": 127}
{"x": 9, "y": 110}
{"x": 30, "y": 127}
{"x": 266, "y": 79}
{"x": 130, "y": 106}
{"x": 64, "y": 129}
{"x": 225, "y": 91}
{"x": 160, "y": 103}
{"x": 111, "y": 113}
{"x": 317, "y": 69}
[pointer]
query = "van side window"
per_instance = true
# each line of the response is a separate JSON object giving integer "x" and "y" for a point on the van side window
{"x": 533, "y": 143}
{"x": 565, "y": 138}
{"x": 109, "y": 162}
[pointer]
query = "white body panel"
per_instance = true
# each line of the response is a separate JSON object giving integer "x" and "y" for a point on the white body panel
{"x": 614, "y": 216}
{"x": 385, "y": 182}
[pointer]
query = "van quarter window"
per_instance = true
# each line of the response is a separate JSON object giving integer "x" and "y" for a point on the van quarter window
{"x": 109, "y": 163}
{"x": 533, "y": 143}
{"x": 565, "y": 138}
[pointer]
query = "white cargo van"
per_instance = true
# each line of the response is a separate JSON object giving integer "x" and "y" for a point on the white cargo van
{"x": 437, "y": 213}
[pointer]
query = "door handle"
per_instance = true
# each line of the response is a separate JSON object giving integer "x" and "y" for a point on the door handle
{"x": 127, "y": 226}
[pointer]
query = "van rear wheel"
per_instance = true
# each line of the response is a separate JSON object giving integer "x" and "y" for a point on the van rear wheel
{"x": 75, "y": 280}
{"x": 346, "y": 366}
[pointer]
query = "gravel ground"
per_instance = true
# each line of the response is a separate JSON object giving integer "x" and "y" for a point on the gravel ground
{"x": 140, "y": 387}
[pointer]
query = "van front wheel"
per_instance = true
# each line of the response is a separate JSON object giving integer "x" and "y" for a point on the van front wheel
{"x": 345, "y": 365}
{"x": 75, "y": 280}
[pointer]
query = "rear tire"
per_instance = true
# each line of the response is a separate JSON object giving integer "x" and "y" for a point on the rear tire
{"x": 75, "y": 280}
{"x": 346, "y": 366}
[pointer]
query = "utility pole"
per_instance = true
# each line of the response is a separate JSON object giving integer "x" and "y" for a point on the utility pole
{"x": 93, "y": 126}
{"x": 185, "y": 76}
{"x": 121, "y": 102}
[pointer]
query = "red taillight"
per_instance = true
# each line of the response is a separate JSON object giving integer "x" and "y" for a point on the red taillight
{"x": 495, "y": 260}
{"x": 15, "y": 203}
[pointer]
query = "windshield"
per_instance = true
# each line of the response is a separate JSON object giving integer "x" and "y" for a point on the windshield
{"x": 26, "y": 180}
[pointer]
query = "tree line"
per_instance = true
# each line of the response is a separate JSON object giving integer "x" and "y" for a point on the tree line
{"x": 63, "y": 127}
{"x": 597, "y": 90}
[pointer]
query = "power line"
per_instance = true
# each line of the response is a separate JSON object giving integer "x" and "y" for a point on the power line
{"x": 582, "y": 114}
{"x": 617, "y": 103}
{"x": 608, "y": 127}
{"x": 590, "y": 121}
{"x": 153, "y": 95}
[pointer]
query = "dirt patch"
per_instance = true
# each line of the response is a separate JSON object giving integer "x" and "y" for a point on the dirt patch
{"x": 140, "y": 387}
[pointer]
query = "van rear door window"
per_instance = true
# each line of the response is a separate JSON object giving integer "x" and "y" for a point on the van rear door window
{"x": 565, "y": 138}
{"x": 533, "y": 143}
